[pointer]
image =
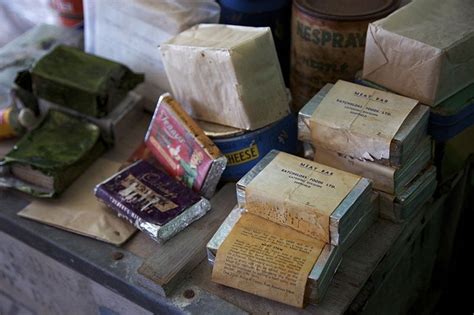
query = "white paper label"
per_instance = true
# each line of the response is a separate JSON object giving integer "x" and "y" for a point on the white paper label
{"x": 358, "y": 120}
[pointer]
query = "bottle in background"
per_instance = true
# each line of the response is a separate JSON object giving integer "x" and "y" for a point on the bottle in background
{"x": 14, "y": 122}
{"x": 71, "y": 12}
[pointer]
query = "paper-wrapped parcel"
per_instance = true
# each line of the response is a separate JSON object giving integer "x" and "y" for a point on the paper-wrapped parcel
{"x": 229, "y": 75}
{"x": 364, "y": 123}
{"x": 425, "y": 50}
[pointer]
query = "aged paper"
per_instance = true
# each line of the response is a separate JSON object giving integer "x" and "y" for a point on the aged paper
{"x": 77, "y": 210}
{"x": 383, "y": 177}
{"x": 266, "y": 259}
{"x": 358, "y": 120}
{"x": 424, "y": 50}
{"x": 299, "y": 193}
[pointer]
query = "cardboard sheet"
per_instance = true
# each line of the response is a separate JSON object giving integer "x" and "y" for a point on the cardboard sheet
{"x": 77, "y": 210}
{"x": 299, "y": 193}
{"x": 358, "y": 120}
{"x": 266, "y": 259}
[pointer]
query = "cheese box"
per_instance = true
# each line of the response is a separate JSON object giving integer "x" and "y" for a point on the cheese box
{"x": 425, "y": 50}
{"x": 227, "y": 75}
{"x": 328, "y": 261}
{"x": 312, "y": 198}
{"x": 403, "y": 143}
{"x": 405, "y": 205}
{"x": 244, "y": 149}
{"x": 182, "y": 148}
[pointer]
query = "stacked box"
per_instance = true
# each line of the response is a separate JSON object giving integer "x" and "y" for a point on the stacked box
{"x": 351, "y": 216}
{"x": 394, "y": 174}
{"x": 407, "y": 52}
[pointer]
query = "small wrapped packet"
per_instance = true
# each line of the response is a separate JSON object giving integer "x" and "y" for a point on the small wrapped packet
{"x": 151, "y": 200}
{"x": 183, "y": 149}
{"x": 83, "y": 82}
{"x": 49, "y": 158}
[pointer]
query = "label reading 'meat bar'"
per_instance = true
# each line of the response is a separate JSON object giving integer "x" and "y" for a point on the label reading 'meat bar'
{"x": 358, "y": 120}
{"x": 299, "y": 193}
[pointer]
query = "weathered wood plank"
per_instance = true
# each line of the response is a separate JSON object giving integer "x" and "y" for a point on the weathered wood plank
{"x": 187, "y": 249}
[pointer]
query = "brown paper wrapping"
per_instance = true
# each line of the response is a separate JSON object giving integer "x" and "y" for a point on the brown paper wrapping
{"x": 266, "y": 259}
{"x": 77, "y": 210}
{"x": 425, "y": 50}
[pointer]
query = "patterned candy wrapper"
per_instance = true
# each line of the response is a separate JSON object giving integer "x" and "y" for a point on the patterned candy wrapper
{"x": 154, "y": 202}
{"x": 182, "y": 148}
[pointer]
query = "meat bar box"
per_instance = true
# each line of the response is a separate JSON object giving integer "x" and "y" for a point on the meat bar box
{"x": 403, "y": 206}
{"x": 405, "y": 141}
{"x": 327, "y": 263}
{"x": 297, "y": 200}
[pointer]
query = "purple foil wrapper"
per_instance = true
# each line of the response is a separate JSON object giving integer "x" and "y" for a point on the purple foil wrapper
{"x": 150, "y": 199}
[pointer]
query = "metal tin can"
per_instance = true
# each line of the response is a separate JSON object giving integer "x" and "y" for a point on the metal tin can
{"x": 244, "y": 149}
{"x": 328, "y": 42}
{"x": 275, "y": 14}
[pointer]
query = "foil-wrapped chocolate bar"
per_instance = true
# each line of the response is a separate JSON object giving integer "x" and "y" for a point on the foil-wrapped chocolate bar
{"x": 46, "y": 160}
{"x": 183, "y": 149}
{"x": 328, "y": 261}
{"x": 151, "y": 200}
{"x": 316, "y": 200}
{"x": 404, "y": 142}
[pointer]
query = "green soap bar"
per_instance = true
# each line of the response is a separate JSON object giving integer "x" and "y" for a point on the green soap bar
{"x": 83, "y": 82}
{"x": 58, "y": 151}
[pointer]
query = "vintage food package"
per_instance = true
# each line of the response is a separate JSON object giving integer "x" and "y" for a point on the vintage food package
{"x": 255, "y": 245}
{"x": 243, "y": 149}
{"x": 229, "y": 75}
{"x": 404, "y": 206}
{"x": 410, "y": 131}
{"x": 183, "y": 149}
{"x": 115, "y": 124}
{"x": 47, "y": 159}
{"x": 326, "y": 264}
{"x": 148, "y": 24}
{"x": 312, "y": 198}
{"x": 425, "y": 50}
{"x": 83, "y": 82}
{"x": 155, "y": 203}
{"x": 384, "y": 178}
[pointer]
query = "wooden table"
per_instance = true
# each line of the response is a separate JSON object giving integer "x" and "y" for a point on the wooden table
{"x": 45, "y": 270}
